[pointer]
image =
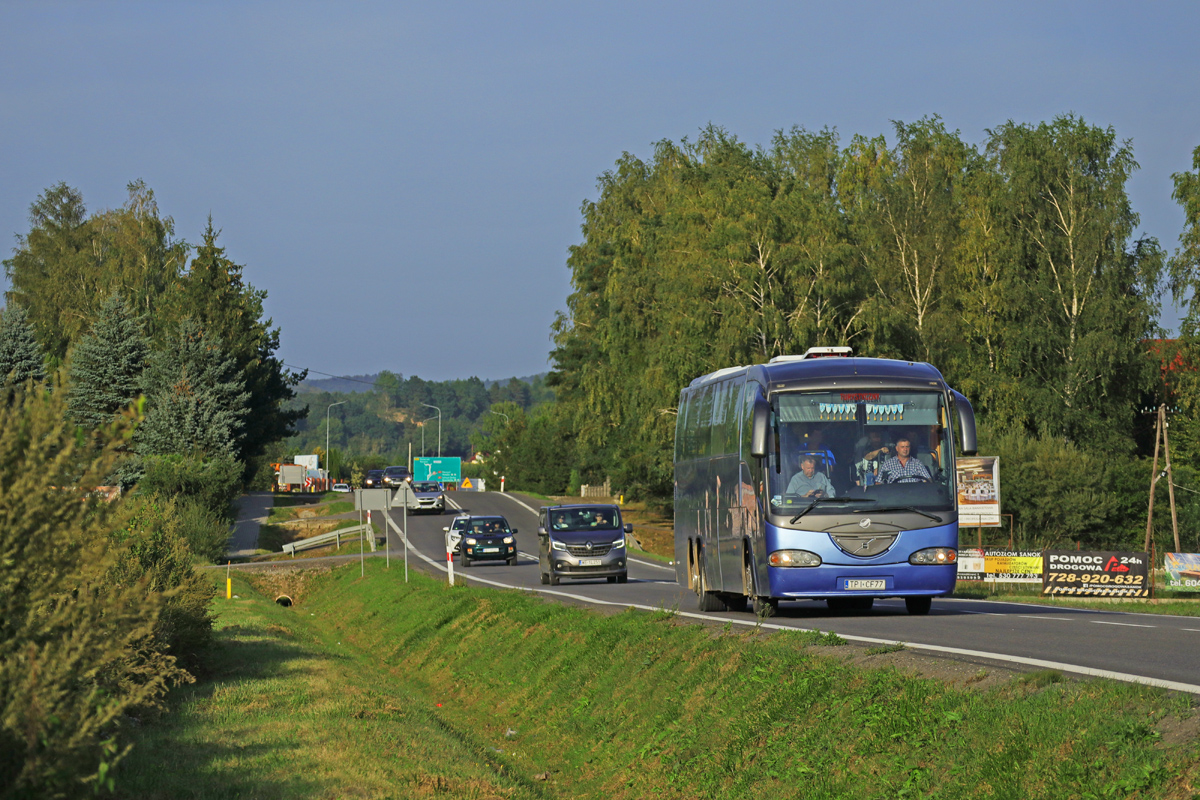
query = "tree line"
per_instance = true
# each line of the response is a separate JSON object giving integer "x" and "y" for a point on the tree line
{"x": 374, "y": 429}
{"x": 130, "y": 360}
{"x": 1013, "y": 265}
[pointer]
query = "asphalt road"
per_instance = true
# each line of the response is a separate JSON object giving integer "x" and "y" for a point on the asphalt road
{"x": 1144, "y": 648}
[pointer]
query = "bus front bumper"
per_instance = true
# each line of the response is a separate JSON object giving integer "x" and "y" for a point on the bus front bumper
{"x": 876, "y": 580}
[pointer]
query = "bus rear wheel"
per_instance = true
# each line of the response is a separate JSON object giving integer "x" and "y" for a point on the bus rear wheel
{"x": 706, "y": 601}
{"x": 918, "y": 606}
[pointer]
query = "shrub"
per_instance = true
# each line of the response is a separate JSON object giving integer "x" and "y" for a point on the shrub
{"x": 77, "y": 648}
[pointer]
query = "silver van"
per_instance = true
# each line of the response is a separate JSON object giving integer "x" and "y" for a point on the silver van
{"x": 582, "y": 541}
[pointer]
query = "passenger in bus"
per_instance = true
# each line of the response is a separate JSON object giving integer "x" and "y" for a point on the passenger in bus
{"x": 870, "y": 452}
{"x": 903, "y": 467}
{"x": 808, "y": 482}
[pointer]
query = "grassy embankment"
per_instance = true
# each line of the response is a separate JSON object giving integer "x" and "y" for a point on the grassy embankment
{"x": 376, "y": 688}
{"x": 298, "y": 516}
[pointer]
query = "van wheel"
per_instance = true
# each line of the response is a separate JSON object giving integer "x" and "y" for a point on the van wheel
{"x": 918, "y": 606}
{"x": 544, "y": 578}
{"x": 554, "y": 579}
{"x": 611, "y": 579}
{"x": 623, "y": 577}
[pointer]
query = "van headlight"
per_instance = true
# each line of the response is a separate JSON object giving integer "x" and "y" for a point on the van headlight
{"x": 934, "y": 555}
{"x": 793, "y": 558}
{"x": 618, "y": 544}
{"x": 555, "y": 544}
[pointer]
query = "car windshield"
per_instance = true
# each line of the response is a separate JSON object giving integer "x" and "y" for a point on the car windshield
{"x": 881, "y": 449}
{"x": 493, "y": 526}
{"x": 426, "y": 487}
{"x": 585, "y": 519}
{"x": 459, "y": 525}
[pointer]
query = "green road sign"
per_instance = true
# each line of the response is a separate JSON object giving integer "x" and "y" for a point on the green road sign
{"x": 443, "y": 470}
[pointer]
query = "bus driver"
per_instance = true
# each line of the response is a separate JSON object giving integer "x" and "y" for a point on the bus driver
{"x": 808, "y": 482}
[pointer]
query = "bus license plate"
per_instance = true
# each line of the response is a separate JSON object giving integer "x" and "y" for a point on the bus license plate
{"x": 590, "y": 562}
{"x": 491, "y": 549}
{"x": 860, "y": 583}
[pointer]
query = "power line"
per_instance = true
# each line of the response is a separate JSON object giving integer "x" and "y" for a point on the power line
{"x": 330, "y": 375}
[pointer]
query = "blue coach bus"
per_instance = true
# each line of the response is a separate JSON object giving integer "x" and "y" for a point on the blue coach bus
{"x": 818, "y": 477}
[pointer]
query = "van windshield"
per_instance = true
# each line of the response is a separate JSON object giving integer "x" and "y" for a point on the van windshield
{"x": 585, "y": 519}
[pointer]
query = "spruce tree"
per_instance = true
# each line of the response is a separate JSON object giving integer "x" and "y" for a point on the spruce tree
{"x": 107, "y": 367}
{"x": 197, "y": 399}
{"x": 20, "y": 357}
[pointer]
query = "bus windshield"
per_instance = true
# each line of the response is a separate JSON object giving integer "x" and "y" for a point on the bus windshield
{"x": 884, "y": 449}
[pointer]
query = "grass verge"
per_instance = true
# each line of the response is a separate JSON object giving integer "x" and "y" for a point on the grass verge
{"x": 376, "y": 688}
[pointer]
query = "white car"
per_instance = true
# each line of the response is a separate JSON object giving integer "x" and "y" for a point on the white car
{"x": 343, "y": 488}
{"x": 454, "y": 532}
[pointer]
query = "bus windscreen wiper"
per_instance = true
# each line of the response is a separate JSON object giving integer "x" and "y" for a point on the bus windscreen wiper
{"x": 910, "y": 508}
{"x": 819, "y": 500}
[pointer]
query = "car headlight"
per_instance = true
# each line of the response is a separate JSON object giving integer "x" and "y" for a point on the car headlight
{"x": 618, "y": 544}
{"x": 794, "y": 558}
{"x": 508, "y": 540}
{"x": 934, "y": 555}
{"x": 469, "y": 541}
{"x": 555, "y": 544}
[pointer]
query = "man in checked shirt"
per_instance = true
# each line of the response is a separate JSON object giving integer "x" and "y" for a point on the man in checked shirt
{"x": 902, "y": 467}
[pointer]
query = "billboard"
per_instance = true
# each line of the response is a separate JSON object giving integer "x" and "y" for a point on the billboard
{"x": 1096, "y": 574}
{"x": 442, "y": 470}
{"x": 1183, "y": 571}
{"x": 994, "y": 565}
{"x": 308, "y": 461}
{"x": 978, "y": 491}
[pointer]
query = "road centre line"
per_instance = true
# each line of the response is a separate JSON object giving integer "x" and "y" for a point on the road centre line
{"x": 1123, "y": 624}
{"x": 1030, "y": 662}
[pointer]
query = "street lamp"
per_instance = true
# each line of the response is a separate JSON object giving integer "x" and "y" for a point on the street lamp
{"x": 331, "y": 405}
{"x": 501, "y": 413}
{"x": 435, "y": 408}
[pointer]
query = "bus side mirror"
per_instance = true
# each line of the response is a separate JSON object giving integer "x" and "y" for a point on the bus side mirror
{"x": 759, "y": 425}
{"x": 966, "y": 423}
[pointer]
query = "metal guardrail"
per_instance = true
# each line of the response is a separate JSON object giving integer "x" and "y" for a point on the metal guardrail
{"x": 333, "y": 537}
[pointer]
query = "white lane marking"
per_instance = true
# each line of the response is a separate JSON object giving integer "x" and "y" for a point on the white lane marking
{"x": 1193, "y": 630}
{"x": 984, "y": 613}
{"x": 663, "y": 567}
{"x": 1057, "y": 619}
{"x": 1029, "y": 662}
{"x": 1123, "y": 624}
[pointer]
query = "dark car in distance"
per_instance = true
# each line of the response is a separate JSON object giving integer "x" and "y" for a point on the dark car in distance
{"x": 394, "y": 476}
{"x": 373, "y": 479}
{"x": 582, "y": 541}
{"x": 488, "y": 539}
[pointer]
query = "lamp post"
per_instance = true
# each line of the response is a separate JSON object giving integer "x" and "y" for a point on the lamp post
{"x": 331, "y": 405}
{"x": 435, "y": 408}
{"x": 501, "y": 413}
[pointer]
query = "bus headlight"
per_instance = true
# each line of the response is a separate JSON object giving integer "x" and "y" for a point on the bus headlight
{"x": 555, "y": 544}
{"x": 793, "y": 558}
{"x": 934, "y": 555}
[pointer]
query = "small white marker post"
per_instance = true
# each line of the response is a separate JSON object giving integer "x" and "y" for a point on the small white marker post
{"x": 449, "y": 560}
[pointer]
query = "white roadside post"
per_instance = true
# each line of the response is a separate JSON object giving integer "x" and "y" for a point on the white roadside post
{"x": 449, "y": 558}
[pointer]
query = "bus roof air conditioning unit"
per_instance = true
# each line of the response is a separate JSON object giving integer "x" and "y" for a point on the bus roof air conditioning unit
{"x": 816, "y": 352}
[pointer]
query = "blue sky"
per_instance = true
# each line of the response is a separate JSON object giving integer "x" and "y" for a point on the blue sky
{"x": 405, "y": 179}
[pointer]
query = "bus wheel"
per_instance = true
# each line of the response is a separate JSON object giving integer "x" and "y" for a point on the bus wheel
{"x": 918, "y": 606}
{"x": 763, "y": 606}
{"x": 707, "y": 601}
